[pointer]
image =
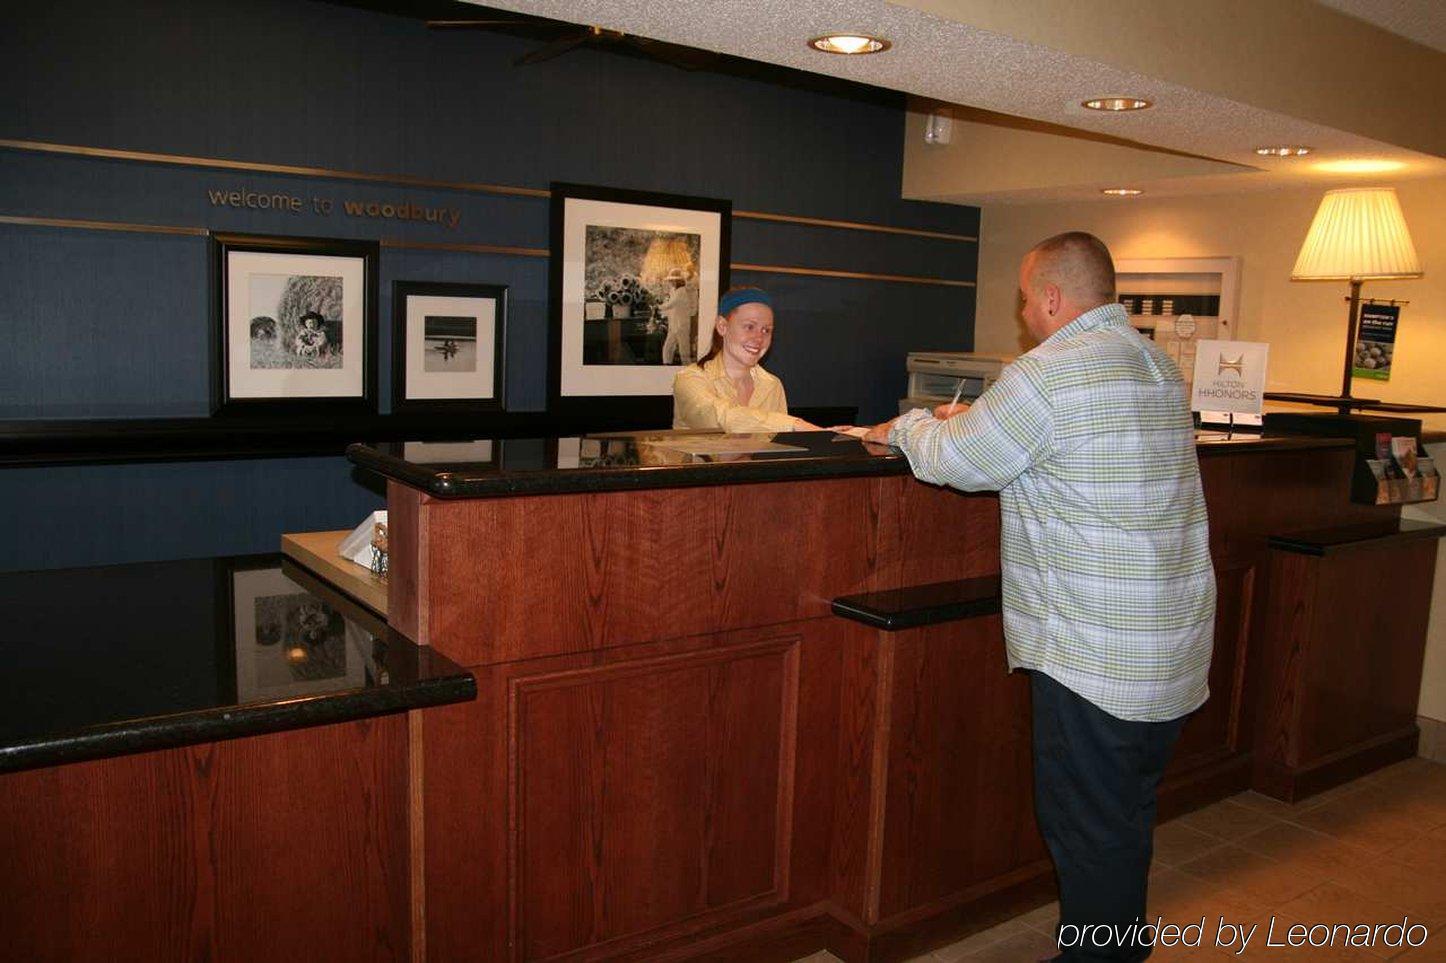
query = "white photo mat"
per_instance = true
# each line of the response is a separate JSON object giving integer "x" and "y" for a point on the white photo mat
{"x": 243, "y": 381}
{"x": 448, "y": 452}
{"x": 423, "y": 385}
{"x": 578, "y": 379}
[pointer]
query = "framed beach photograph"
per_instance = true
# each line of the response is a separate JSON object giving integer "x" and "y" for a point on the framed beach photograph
{"x": 448, "y": 344}
{"x": 295, "y": 323}
{"x": 636, "y": 278}
{"x": 290, "y": 642}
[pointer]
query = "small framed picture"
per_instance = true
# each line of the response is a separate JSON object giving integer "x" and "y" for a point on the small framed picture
{"x": 448, "y": 346}
{"x": 295, "y": 323}
{"x": 635, "y": 282}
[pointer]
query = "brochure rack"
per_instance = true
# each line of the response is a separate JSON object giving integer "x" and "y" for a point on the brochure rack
{"x": 1376, "y": 480}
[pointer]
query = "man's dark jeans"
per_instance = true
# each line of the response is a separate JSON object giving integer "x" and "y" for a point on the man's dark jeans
{"x": 1094, "y": 796}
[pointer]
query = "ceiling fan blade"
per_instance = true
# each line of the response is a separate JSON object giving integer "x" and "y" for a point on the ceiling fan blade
{"x": 556, "y": 48}
{"x": 476, "y": 24}
{"x": 684, "y": 58}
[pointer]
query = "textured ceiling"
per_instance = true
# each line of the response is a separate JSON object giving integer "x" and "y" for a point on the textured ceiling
{"x": 1423, "y": 21}
{"x": 950, "y": 61}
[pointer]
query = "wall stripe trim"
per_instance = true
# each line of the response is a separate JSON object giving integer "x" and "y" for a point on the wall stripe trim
{"x": 854, "y": 226}
{"x": 216, "y": 163}
{"x": 465, "y": 248}
{"x": 860, "y": 275}
{"x": 471, "y": 249}
{"x": 102, "y": 225}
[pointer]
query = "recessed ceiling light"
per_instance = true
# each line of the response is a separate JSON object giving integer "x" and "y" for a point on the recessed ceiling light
{"x": 1122, "y": 191}
{"x": 1284, "y": 150}
{"x": 849, "y": 43}
{"x": 1359, "y": 165}
{"x": 1115, "y": 103}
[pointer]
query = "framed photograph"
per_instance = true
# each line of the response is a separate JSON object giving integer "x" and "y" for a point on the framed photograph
{"x": 290, "y": 642}
{"x": 295, "y": 324}
{"x": 636, "y": 278}
{"x": 448, "y": 343}
{"x": 1180, "y": 301}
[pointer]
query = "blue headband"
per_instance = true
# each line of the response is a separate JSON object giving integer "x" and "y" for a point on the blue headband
{"x": 736, "y": 299}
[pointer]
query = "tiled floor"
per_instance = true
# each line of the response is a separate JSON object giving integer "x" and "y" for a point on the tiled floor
{"x": 1372, "y": 851}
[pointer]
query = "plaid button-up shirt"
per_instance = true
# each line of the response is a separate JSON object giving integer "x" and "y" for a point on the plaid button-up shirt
{"x": 1107, "y": 581}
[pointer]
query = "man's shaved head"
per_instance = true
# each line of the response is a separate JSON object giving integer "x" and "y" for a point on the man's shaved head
{"x": 1079, "y": 264}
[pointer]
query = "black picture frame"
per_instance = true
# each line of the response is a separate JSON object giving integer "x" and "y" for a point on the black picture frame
{"x": 350, "y": 387}
{"x": 402, "y": 377}
{"x": 623, "y": 407}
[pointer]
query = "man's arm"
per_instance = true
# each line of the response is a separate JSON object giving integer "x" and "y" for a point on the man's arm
{"x": 1008, "y": 430}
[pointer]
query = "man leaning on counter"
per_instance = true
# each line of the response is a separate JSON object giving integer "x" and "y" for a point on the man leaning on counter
{"x": 1108, "y": 590}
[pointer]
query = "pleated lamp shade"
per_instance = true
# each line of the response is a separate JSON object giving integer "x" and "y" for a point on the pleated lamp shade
{"x": 1358, "y": 233}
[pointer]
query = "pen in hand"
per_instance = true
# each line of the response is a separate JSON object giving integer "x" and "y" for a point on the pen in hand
{"x": 945, "y": 412}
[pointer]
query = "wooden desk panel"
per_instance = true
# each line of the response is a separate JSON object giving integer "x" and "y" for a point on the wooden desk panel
{"x": 959, "y": 784}
{"x": 596, "y": 805}
{"x": 513, "y": 578}
{"x": 1340, "y": 664}
{"x": 291, "y": 846}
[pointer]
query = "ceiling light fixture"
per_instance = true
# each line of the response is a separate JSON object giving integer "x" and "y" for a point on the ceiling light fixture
{"x": 1116, "y": 103}
{"x": 849, "y": 43}
{"x": 1122, "y": 191}
{"x": 1284, "y": 150}
{"x": 1359, "y": 165}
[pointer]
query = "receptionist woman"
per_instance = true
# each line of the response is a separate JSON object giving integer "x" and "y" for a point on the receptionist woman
{"x": 727, "y": 389}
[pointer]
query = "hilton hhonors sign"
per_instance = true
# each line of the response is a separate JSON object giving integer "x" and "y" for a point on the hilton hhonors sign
{"x": 1229, "y": 376}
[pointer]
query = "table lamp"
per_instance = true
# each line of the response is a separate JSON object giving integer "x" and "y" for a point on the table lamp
{"x": 1358, "y": 234}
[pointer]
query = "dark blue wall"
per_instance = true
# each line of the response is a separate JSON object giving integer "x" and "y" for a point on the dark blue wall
{"x": 115, "y": 325}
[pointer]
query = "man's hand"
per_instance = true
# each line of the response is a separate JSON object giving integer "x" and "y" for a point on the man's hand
{"x": 879, "y": 434}
{"x": 945, "y": 412}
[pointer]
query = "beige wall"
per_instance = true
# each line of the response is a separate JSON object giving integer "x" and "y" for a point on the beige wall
{"x": 1304, "y": 322}
{"x": 1433, "y": 675}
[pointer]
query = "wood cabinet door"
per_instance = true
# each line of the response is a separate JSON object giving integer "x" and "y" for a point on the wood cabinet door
{"x": 1213, "y": 733}
{"x": 590, "y": 806}
{"x": 957, "y": 813}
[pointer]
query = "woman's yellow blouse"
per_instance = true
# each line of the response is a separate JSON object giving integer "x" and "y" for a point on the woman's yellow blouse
{"x": 706, "y": 398}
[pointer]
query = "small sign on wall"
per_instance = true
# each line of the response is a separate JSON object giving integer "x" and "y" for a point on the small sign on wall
{"x": 1229, "y": 376}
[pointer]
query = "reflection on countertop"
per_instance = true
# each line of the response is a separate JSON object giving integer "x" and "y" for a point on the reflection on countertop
{"x": 124, "y": 658}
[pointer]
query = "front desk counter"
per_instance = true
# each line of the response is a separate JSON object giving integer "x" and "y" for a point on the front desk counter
{"x": 679, "y": 749}
{"x": 206, "y": 759}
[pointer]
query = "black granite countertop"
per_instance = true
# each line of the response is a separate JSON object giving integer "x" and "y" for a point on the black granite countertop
{"x": 1329, "y": 541}
{"x": 621, "y": 461}
{"x": 126, "y": 658}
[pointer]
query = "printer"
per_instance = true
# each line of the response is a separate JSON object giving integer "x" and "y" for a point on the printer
{"x": 934, "y": 376}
